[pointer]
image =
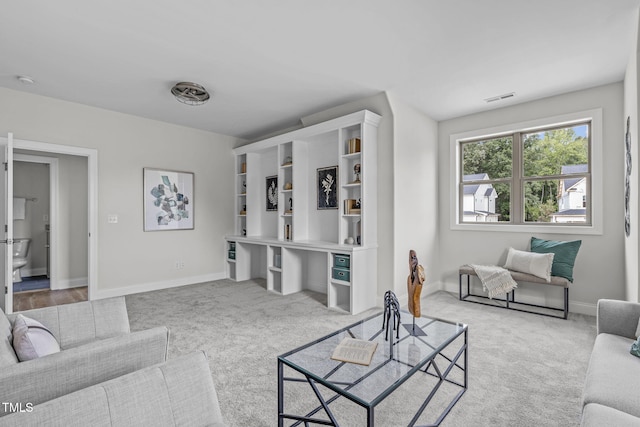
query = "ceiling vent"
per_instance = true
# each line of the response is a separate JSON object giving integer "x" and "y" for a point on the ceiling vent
{"x": 190, "y": 93}
{"x": 500, "y": 97}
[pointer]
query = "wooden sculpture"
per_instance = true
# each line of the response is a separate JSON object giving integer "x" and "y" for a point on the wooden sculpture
{"x": 414, "y": 283}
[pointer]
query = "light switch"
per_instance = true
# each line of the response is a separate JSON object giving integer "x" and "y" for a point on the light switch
{"x": 112, "y": 219}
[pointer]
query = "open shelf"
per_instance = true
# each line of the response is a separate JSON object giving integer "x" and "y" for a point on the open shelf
{"x": 305, "y": 238}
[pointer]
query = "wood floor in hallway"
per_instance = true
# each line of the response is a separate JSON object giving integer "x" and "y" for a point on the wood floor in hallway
{"x": 45, "y": 298}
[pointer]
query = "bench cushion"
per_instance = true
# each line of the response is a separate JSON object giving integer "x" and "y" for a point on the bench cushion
{"x": 523, "y": 277}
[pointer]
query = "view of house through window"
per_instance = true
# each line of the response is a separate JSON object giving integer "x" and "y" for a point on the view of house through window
{"x": 539, "y": 176}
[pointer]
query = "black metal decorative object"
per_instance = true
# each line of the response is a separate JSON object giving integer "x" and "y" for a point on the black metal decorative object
{"x": 627, "y": 180}
{"x": 391, "y": 310}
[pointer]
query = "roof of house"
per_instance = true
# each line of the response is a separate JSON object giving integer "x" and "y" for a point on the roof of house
{"x": 483, "y": 213}
{"x": 570, "y": 212}
{"x": 569, "y": 169}
{"x": 475, "y": 177}
{"x": 471, "y": 189}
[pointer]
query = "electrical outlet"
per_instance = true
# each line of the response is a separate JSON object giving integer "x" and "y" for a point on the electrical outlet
{"x": 112, "y": 219}
{"x": 179, "y": 265}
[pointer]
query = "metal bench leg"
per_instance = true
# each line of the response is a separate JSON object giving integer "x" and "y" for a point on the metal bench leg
{"x": 566, "y": 303}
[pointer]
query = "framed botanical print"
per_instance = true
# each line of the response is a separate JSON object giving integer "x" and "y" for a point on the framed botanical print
{"x": 328, "y": 187}
{"x": 272, "y": 193}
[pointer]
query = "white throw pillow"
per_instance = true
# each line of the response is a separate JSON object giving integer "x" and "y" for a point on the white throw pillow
{"x": 533, "y": 263}
{"x": 31, "y": 339}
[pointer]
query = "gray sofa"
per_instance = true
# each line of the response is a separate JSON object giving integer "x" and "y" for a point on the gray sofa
{"x": 179, "y": 392}
{"x": 96, "y": 346}
{"x": 611, "y": 392}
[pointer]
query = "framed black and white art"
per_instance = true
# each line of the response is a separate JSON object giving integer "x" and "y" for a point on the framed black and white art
{"x": 328, "y": 188}
{"x": 272, "y": 193}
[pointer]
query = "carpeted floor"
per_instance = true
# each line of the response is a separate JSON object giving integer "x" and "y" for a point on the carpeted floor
{"x": 524, "y": 369}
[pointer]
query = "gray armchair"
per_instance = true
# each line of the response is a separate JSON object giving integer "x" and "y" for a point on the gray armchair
{"x": 179, "y": 392}
{"x": 96, "y": 346}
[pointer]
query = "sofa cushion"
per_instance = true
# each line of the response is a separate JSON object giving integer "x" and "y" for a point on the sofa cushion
{"x": 610, "y": 375}
{"x": 595, "y": 415}
{"x": 32, "y": 340}
{"x": 565, "y": 254}
{"x": 7, "y": 354}
{"x": 536, "y": 264}
{"x": 638, "y": 330}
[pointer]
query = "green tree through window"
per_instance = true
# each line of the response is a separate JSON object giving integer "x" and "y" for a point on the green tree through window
{"x": 553, "y": 161}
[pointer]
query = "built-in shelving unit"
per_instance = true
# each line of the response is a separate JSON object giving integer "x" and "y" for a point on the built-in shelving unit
{"x": 295, "y": 246}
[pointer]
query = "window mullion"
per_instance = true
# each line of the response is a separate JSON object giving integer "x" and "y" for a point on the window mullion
{"x": 517, "y": 213}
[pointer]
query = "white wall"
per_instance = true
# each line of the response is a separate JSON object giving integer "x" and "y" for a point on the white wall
{"x": 130, "y": 260}
{"x": 632, "y": 251}
{"x": 73, "y": 226}
{"x": 415, "y": 205}
{"x": 599, "y": 270}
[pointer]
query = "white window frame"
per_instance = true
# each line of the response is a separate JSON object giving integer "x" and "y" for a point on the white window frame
{"x": 597, "y": 199}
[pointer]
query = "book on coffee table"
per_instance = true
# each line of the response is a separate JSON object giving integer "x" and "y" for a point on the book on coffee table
{"x": 353, "y": 350}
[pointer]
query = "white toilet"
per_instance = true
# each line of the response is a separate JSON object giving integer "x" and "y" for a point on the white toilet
{"x": 20, "y": 251}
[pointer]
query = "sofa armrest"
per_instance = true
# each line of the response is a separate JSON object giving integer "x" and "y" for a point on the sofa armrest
{"x": 618, "y": 317}
{"x": 52, "y": 376}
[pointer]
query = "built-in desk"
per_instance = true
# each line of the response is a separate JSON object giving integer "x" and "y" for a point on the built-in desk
{"x": 339, "y": 271}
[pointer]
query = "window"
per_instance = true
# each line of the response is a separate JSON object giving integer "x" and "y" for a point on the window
{"x": 529, "y": 176}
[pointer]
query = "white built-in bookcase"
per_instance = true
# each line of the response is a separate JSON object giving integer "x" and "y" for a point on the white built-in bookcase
{"x": 294, "y": 246}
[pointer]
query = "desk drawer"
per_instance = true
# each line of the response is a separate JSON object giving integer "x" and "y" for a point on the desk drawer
{"x": 341, "y": 261}
{"x": 341, "y": 274}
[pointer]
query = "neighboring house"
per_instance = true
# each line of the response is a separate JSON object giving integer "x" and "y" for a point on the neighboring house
{"x": 479, "y": 200}
{"x": 572, "y": 196}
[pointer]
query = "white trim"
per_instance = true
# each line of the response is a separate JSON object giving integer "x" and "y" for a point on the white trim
{"x": 70, "y": 283}
{"x": 597, "y": 195}
{"x": 92, "y": 166}
{"x": 30, "y": 272}
{"x": 156, "y": 286}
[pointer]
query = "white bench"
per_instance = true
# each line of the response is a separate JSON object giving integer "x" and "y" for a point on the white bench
{"x": 510, "y": 298}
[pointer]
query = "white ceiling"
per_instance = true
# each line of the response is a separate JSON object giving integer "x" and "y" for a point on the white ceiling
{"x": 268, "y": 63}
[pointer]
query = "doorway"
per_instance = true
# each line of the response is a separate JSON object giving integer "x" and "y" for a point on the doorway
{"x": 50, "y": 221}
{"x": 71, "y": 267}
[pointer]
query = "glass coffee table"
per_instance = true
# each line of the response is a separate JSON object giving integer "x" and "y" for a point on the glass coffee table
{"x": 416, "y": 349}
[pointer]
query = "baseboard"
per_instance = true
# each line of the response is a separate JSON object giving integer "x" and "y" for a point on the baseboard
{"x": 155, "y": 286}
{"x": 69, "y": 283}
{"x": 29, "y": 272}
{"x": 578, "y": 307}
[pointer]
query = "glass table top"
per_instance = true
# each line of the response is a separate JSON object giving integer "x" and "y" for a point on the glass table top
{"x": 391, "y": 364}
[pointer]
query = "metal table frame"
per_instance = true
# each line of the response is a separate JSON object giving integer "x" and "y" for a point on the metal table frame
{"x": 427, "y": 366}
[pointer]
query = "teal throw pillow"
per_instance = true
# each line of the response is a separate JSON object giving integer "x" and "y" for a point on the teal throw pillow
{"x": 635, "y": 348}
{"x": 564, "y": 255}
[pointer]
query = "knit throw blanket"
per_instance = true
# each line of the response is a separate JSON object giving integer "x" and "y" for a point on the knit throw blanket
{"x": 495, "y": 280}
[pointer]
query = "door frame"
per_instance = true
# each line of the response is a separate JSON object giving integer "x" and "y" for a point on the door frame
{"x": 92, "y": 198}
